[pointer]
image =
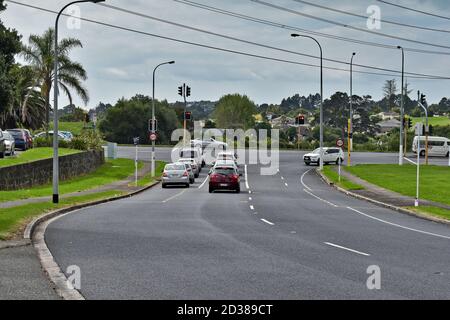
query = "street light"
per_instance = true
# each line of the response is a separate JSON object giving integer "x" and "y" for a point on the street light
{"x": 55, "y": 104}
{"x": 153, "y": 129}
{"x": 400, "y": 154}
{"x": 321, "y": 94}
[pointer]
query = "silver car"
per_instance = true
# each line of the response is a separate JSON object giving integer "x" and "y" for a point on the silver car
{"x": 175, "y": 174}
{"x": 10, "y": 143}
{"x": 194, "y": 165}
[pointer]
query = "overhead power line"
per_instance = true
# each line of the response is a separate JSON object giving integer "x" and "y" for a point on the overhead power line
{"x": 267, "y": 4}
{"x": 365, "y": 17}
{"x": 424, "y": 77}
{"x": 414, "y": 10}
{"x": 292, "y": 28}
{"x": 252, "y": 42}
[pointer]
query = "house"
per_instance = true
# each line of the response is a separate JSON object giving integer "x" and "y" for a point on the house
{"x": 388, "y": 125}
{"x": 388, "y": 115}
{"x": 283, "y": 122}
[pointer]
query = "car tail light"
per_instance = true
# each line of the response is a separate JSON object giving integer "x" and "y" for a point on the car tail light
{"x": 185, "y": 174}
{"x": 165, "y": 174}
{"x": 213, "y": 177}
{"x": 235, "y": 177}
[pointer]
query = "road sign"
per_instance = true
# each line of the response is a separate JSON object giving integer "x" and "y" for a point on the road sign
{"x": 340, "y": 143}
{"x": 153, "y": 137}
{"x": 136, "y": 140}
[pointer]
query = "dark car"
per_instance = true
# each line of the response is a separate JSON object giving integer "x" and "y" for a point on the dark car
{"x": 224, "y": 178}
{"x": 2, "y": 145}
{"x": 22, "y": 138}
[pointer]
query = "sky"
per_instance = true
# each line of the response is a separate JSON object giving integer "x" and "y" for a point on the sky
{"x": 120, "y": 63}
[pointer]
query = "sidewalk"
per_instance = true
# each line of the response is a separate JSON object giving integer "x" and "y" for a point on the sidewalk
{"x": 387, "y": 196}
{"x": 21, "y": 275}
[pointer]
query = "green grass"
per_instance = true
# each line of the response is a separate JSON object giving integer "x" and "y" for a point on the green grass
{"x": 434, "y": 121}
{"x": 147, "y": 179}
{"x": 33, "y": 155}
{"x": 12, "y": 220}
{"x": 333, "y": 176}
{"x": 75, "y": 127}
{"x": 434, "y": 211}
{"x": 111, "y": 171}
{"x": 434, "y": 180}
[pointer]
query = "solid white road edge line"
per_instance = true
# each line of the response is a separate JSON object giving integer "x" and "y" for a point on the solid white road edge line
{"x": 348, "y": 249}
{"x": 397, "y": 225}
{"x": 246, "y": 178}
{"x": 268, "y": 222}
{"x": 319, "y": 198}
{"x": 203, "y": 183}
{"x": 174, "y": 196}
{"x": 301, "y": 180}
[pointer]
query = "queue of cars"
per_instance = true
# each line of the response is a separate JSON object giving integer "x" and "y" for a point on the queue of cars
{"x": 13, "y": 139}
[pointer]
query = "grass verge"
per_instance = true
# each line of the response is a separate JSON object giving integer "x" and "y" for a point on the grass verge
{"x": 111, "y": 171}
{"x": 433, "y": 211}
{"x": 434, "y": 180}
{"x": 148, "y": 179}
{"x": 13, "y": 220}
{"x": 34, "y": 155}
{"x": 346, "y": 184}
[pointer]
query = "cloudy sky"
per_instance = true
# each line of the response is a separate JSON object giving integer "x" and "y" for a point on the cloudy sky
{"x": 120, "y": 63}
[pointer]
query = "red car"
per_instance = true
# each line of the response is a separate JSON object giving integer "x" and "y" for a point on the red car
{"x": 224, "y": 178}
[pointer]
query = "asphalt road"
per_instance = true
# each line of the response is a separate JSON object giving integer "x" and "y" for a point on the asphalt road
{"x": 286, "y": 236}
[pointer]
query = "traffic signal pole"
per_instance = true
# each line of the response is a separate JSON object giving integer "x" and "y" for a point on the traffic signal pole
{"x": 184, "y": 114}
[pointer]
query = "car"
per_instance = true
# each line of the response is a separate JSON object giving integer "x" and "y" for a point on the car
{"x": 224, "y": 177}
{"x": 9, "y": 143}
{"x": 22, "y": 138}
{"x": 209, "y": 143}
{"x": 231, "y": 163}
{"x": 437, "y": 146}
{"x": 68, "y": 134}
{"x": 190, "y": 172}
{"x": 61, "y": 135}
{"x": 175, "y": 174}
{"x": 193, "y": 153}
{"x": 330, "y": 155}
{"x": 194, "y": 165}
{"x": 2, "y": 145}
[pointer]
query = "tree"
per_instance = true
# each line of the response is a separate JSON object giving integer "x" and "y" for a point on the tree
{"x": 40, "y": 54}
{"x": 9, "y": 46}
{"x": 129, "y": 118}
{"x": 235, "y": 111}
{"x": 389, "y": 91}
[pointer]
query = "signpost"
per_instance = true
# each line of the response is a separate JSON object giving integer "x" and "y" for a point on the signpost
{"x": 419, "y": 133}
{"x": 339, "y": 143}
{"x": 136, "y": 143}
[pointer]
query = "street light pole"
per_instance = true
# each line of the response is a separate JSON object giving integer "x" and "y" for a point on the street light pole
{"x": 321, "y": 93}
{"x": 400, "y": 154}
{"x": 55, "y": 103}
{"x": 153, "y": 129}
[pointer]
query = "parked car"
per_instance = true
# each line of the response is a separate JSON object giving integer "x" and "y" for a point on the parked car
{"x": 2, "y": 145}
{"x": 194, "y": 165}
{"x": 22, "y": 138}
{"x": 437, "y": 146}
{"x": 175, "y": 174}
{"x": 330, "y": 155}
{"x": 224, "y": 178}
{"x": 68, "y": 134}
{"x": 9, "y": 143}
{"x": 61, "y": 136}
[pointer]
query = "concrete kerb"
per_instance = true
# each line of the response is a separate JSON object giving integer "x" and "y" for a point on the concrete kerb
{"x": 35, "y": 233}
{"x": 379, "y": 203}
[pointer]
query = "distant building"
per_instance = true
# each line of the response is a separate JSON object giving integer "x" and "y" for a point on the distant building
{"x": 388, "y": 115}
{"x": 388, "y": 125}
{"x": 283, "y": 122}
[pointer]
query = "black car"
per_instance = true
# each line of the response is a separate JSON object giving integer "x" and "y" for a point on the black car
{"x": 2, "y": 145}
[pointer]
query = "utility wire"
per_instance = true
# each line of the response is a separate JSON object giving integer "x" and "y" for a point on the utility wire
{"x": 267, "y": 4}
{"x": 287, "y": 27}
{"x": 251, "y": 42}
{"x": 414, "y": 10}
{"x": 365, "y": 17}
{"x": 222, "y": 49}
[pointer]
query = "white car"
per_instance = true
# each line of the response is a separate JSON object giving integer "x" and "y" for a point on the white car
{"x": 226, "y": 163}
{"x": 437, "y": 146}
{"x": 330, "y": 155}
{"x": 209, "y": 143}
{"x": 61, "y": 136}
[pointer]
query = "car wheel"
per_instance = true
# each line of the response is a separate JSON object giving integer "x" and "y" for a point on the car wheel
{"x": 422, "y": 153}
{"x": 448, "y": 154}
{"x": 307, "y": 163}
{"x": 238, "y": 190}
{"x": 187, "y": 185}
{"x": 197, "y": 175}
{"x": 2, "y": 155}
{"x": 163, "y": 186}
{"x": 211, "y": 190}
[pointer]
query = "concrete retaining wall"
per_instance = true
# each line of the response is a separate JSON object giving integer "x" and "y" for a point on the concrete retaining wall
{"x": 40, "y": 172}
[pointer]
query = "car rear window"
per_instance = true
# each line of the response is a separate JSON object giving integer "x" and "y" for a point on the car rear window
{"x": 172, "y": 167}
{"x": 188, "y": 154}
{"x": 224, "y": 170}
{"x": 16, "y": 134}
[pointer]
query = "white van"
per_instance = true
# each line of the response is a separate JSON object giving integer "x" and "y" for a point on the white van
{"x": 437, "y": 146}
{"x": 193, "y": 153}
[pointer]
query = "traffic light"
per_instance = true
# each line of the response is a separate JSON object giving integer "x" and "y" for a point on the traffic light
{"x": 187, "y": 115}
{"x": 180, "y": 90}
{"x": 301, "y": 120}
{"x": 409, "y": 122}
{"x": 423, "y": 100}
{"x": 188, "y": 91}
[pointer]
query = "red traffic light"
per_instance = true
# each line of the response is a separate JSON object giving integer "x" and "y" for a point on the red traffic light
{"x": 187, "y": 115}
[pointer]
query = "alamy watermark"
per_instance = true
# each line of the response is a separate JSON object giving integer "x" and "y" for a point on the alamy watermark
{"x": 374, "y": 18}
{"x": 374, "y": 280}
{"x": 73, "y": 277}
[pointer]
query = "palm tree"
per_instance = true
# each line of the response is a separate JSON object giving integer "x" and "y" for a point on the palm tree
{"x": 40, "y": 54}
